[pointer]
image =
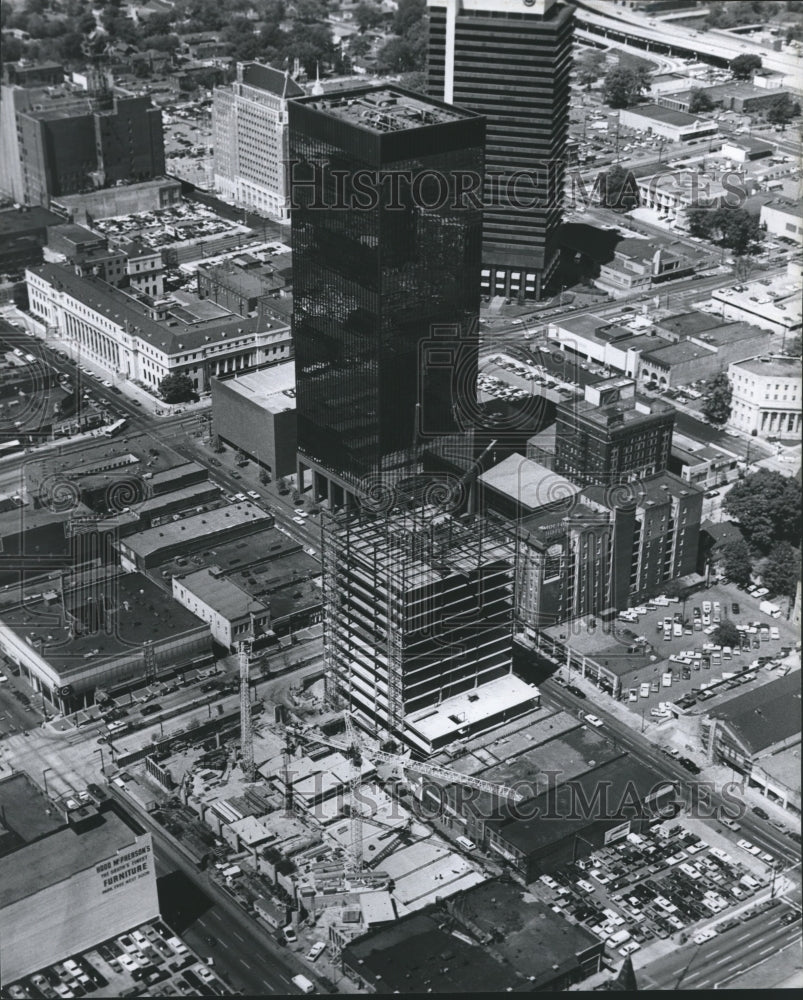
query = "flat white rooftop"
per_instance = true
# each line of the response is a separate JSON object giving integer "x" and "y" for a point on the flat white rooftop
{"x": 470, "y": 709}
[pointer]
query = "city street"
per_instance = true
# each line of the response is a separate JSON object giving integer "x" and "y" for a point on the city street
{"x": 759, "y": 831}
{"x": 716, "y": 963}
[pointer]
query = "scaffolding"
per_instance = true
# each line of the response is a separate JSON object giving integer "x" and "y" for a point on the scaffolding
{"x": 404, "y": 590}
{"x": 246, "y": 723}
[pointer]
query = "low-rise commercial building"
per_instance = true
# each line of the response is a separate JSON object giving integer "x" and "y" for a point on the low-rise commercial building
{"x": 638, "y": 264}
{"x": 782, "y": 217}
{"x": 232, "y": 614}
{"x": 617, "y": 345}
{"x": 767, "y": 397}
{"x": 518, "y": 486}
{"x": 748, "y": 731}
{"x": 65, "y": 889}
{"x": 771, "y": 304}
{"x": 147, "y": 549}
{"x": 703, "y": 355}
{"x": 256, "y": 414}
{"x": 678, "y": 126}
{"x": 115, "y": 630}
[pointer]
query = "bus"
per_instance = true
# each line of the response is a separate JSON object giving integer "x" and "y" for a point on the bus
{"x": 114, "y": 428}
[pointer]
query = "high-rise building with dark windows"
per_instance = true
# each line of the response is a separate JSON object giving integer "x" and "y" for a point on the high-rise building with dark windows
{"x": 510, "y": 60}
{"x": 386, "y": 261}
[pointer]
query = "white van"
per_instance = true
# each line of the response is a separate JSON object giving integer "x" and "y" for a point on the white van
{"x": 303, "y": 984}
{"x": 465, "y": 843}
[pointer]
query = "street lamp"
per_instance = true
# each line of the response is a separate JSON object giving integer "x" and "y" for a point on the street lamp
{"x": 44, "y": 779}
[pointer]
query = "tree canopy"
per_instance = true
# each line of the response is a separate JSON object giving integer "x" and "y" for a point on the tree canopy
{"x": 767, "y": 506}
{"x": 727, "y": 634}
{"x": 743, "y": 66}
{"x": 735, "y": 229}
{"x": 736, "y": 562}
{"x": 177, "y": 389}
{"x": 589, "y": 67}
{"x": 782, "y": 569}
{"x": 699, "y": 101}
{"x": 623, "y": 87}
{"x": 621, "y": 189}
{"x": 717, "y": 404}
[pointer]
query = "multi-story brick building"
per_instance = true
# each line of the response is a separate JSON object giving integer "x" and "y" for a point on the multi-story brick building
{"x": 613, "y": 435}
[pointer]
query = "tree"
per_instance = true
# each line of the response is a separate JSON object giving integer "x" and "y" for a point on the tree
{"x": 368, "y": 15}
{"x": 727, "y": 633}
{"x": 590, "y": 67}
{"x": 782, "y": 569}
{"x": 743, "y": 66}
{"x": 717, "y": 405}
{"x": 736, "y": 562}
{"x": 311, "y": 44}
{"x": 738, "y": 229}
{"x": 624, "y": 87}
{"x": 397, "y": 55}
{"x": 309, "y": 11}
{"x": 408, "y": 13}
{"x": 794, "y": 345}
{"x": 700, "y": 222}
{"x": 621, "y": 189}
{"x": 699, "y": 101}
{"x": 177, "y": 389}
{"x": 781, "y": 111}
{"x": 767, "y": 506}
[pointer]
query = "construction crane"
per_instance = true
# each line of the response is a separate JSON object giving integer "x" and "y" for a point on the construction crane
{"x": 246, "y": 725}
{"x": 354, "y": 751}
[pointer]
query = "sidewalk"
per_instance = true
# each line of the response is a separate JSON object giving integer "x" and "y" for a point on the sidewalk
{"x": 149, "y": 402}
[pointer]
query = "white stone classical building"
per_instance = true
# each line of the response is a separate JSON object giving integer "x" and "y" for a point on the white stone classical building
{"x": 249, "y": 138}
{"x": 133, "y": 340}
{"x": 766, "y": 396}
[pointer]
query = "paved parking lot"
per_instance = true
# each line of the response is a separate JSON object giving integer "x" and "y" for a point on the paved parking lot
{"x": 650, "y": 886}
{"x": 707, "y": 669}
{"x": 149, "y": 961}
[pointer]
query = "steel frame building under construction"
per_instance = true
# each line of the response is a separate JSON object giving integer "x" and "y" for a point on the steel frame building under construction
{"x": 418, "y": 622}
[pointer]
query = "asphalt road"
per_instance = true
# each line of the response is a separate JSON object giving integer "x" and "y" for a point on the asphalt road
{"x": 243, "y": 952}
{"x": 758, "y": 831}
{"x": 713, "y": 964}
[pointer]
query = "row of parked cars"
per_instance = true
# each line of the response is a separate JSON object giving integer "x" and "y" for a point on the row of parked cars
{"x": 649, "y": 886}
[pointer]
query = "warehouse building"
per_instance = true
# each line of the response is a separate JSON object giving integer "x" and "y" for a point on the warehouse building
{"x": 67, "y": 887}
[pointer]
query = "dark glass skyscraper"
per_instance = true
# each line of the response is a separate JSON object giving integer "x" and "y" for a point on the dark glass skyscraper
{"x": 386, "y": 263}
{"x": 510, "y": 60}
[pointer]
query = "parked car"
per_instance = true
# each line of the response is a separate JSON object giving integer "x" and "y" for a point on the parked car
{"x": 573, "y": 689}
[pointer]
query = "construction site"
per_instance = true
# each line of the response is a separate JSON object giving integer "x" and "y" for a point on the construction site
{"x": 418, "y": 626}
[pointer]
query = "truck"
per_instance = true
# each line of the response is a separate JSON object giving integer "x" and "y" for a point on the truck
{"x": 666, "y": 679}
{"x": 768, "y": 608}
{"x": 644, "y": 690}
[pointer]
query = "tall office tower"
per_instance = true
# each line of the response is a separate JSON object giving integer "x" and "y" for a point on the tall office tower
{"x": 249, "y": 138}
{"x": 613, "y": 435}
{"x": 418, "y": 623}
{"x": 510, "y": 60}
{"x": 386, "y": 261}
{"x": 74, "y": 144}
